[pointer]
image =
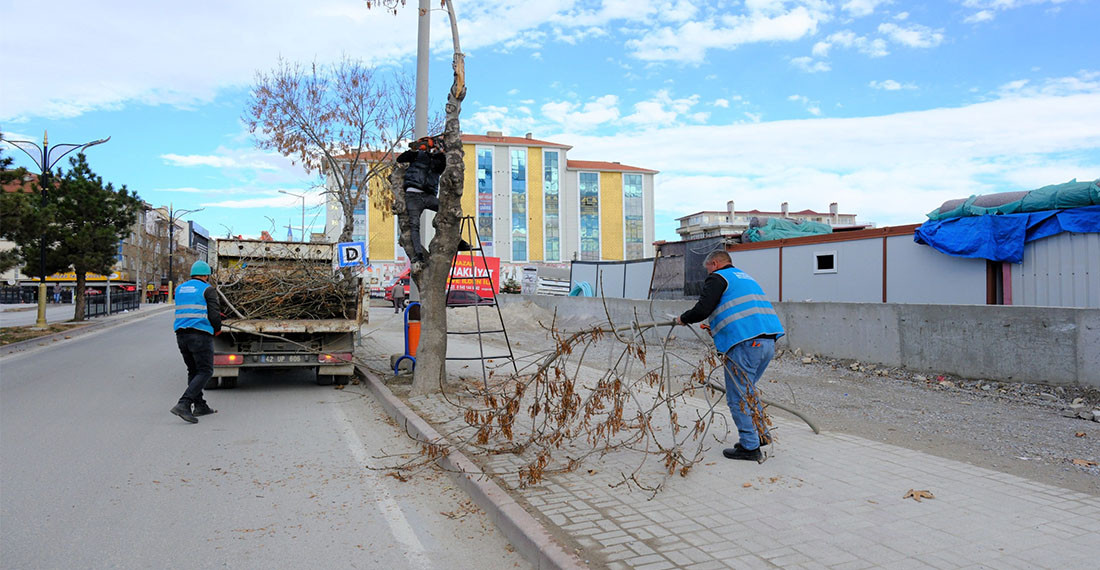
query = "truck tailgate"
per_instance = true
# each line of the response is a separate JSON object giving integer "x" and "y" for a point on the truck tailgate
{"x": 290, "y": 326}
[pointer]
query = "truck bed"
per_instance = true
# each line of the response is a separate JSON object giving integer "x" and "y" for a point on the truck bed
{"x": 290, "y": 326}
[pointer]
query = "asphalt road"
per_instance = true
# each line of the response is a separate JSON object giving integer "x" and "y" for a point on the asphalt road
{"x": 95, "y": 473}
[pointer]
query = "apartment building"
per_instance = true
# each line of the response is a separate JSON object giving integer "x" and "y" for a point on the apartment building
{"x": 531, "y": 204}
{"x": 733, "y": 222}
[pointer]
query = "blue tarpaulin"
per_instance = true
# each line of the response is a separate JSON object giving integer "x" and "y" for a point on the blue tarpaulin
{"x": 1002, "y": 237}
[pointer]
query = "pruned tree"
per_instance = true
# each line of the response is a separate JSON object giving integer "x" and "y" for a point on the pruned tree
{"x": 90, "y": 220}
{"x": 342, "y": 121}
{"x": 431, "y": 277}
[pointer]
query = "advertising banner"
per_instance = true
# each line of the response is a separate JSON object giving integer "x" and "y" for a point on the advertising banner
{"x": 470, "y": 273}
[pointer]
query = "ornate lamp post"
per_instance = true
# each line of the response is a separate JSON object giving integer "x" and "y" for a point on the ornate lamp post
{"x": 45, "y": 158}
{"x": 302, "y": 196}
{"x": 173, "y": 216}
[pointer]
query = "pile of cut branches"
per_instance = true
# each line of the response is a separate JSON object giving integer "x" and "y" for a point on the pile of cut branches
{"x": 286, "y": 290}
{"x": 571, "y": 406}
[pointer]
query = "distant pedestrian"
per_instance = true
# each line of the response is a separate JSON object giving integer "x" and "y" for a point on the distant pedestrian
{"x": 197, "y": 321}
{"x": 744, "y": 327}
{"x": 398, "y": 296}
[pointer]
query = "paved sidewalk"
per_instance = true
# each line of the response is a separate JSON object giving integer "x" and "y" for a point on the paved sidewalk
{"x": 819, "y": 501}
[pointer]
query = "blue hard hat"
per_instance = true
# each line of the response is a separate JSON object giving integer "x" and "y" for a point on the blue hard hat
{"x": 200, "y": 268}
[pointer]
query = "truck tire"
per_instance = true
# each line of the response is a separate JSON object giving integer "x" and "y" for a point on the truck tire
{"x": 229, "y": 382}
{"x": 342, "y": 380}
{"x": 325, "y": 379}
{"x": 213, "y": 383}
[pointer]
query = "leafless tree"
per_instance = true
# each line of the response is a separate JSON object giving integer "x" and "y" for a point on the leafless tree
{"x": 342, "y": 120}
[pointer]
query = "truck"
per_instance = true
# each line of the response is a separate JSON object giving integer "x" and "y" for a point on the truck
{"x": 285, "y": 306}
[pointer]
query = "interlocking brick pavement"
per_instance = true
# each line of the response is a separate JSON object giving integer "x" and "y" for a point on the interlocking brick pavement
{"x": 819, "y": 501}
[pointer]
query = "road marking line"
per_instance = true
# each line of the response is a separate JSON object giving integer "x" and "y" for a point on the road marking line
{"x": 387, "y": 506}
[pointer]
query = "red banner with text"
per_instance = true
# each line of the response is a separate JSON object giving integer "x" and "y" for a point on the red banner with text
{"x": 476, "y": 273}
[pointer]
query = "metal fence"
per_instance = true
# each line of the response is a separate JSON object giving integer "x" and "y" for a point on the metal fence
{"x": 96, "y": 305}
{"x": 10, "y": 295}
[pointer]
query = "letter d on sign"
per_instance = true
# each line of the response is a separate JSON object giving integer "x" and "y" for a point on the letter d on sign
{"x": 351, "y": 253}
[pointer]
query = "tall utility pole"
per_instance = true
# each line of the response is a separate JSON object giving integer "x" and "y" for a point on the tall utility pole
{"x": 174, "y": 215}
{"x": 423, "y": 37}
{"x": 45, "y": 162}
{"x": 420, "y": 126}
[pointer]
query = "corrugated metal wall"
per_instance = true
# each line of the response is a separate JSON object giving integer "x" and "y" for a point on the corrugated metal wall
{"x": 1059, "y": 271}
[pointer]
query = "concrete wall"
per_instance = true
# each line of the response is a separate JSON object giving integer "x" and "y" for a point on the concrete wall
{"x": 1009, "y": 343}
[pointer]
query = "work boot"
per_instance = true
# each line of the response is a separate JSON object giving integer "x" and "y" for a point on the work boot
{"x": 203, "y": 409}
{"x": 184, "y": 412}
{"x": 738, "y": 452}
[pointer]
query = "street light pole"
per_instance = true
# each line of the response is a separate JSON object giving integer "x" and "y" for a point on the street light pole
{"x": 45, "y": 162}
{"x": 172, "y": 218}
{"x": 302, "y": 196}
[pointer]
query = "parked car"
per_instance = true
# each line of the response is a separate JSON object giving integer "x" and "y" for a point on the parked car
{"x": 466, "y": 299}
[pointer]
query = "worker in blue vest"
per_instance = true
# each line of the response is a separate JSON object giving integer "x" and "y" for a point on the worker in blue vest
{"x": 197, "y": 321}
{"x": 744, "y": 327}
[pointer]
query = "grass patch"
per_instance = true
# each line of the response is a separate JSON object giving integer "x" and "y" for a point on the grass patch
{"x": 9, "y": 335}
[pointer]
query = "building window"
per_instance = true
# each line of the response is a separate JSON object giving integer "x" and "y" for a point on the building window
{"x": 590, "y": 215}
{"x": 551, "y": 214}
{"x": 485, "y": 198}
{"x": 519, "y": 204}
{"x": 359, "y": 221}
{"x": 632, "y": 214}
{"x": 824, "y": 262}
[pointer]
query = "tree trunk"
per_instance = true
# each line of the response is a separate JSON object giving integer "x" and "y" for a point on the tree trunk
{"x": 431, "y": 358}
{"x": 78, "y": 296}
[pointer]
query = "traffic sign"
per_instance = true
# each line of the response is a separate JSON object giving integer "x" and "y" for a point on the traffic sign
{"x": 352, "y": 253}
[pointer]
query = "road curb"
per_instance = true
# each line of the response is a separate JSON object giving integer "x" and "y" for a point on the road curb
{"x": 91, "y": 327}
{"x": 523, "y": 531}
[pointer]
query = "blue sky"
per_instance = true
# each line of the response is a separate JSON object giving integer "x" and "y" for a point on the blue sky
{"x": 886, "y": 107}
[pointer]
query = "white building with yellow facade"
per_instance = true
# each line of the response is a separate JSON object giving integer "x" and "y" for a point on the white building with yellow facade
{"x": 532, "y": 205}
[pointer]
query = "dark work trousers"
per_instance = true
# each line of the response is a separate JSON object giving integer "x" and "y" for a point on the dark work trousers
{"x": 415, "y": 204}
{"x": 197, "y": 348}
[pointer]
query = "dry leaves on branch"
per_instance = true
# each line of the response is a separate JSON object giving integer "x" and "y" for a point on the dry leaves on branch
{"x": 918, "y": 495}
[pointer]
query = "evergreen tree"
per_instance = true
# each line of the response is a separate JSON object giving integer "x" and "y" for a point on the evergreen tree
{"x": 90, "y": 221}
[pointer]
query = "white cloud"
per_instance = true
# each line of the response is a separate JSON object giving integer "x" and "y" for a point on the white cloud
{"x": 979, "y": 16}
{"x": 914, "y": 36}
{"x": 763, "y": 22}
{"x": 891, "y": 85}
{"x": 848, "y": 39}
{"x": 889, "y": 169}
{"x": 901, "y": 16}
{"x": 812, "y": 107}
{"x": 663, "y": 110}
{"x": 496, "y": 118}
{"x": 1083, "y": 82}
{"x": 860, "y": 8}
{"x": 268, "y": 199}
{"x": 723, "y": 103}
{"x": 573, "y": 116}
{"x": 214, "y": 161}
{"x": 808, "y": 64}
{"x": 987, "y": 9}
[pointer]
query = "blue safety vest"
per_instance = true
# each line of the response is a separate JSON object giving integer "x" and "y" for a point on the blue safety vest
{"x": 191, "y": 307}
{"x": 743, "y": 312}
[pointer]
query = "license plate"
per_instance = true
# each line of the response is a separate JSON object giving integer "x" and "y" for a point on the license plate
{"x": 282, "y": 358}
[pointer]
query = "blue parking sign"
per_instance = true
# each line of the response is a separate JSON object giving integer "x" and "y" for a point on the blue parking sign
{"x": 352, "y": 253}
